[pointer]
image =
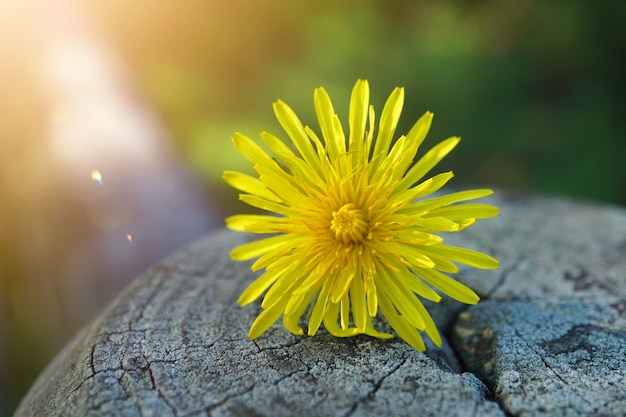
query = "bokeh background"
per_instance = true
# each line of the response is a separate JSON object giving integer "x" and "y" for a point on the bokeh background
{"x": 116, "y": 117}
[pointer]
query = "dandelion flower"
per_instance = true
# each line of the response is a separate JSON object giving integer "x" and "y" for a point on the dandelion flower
{"x": 353, "y": 230}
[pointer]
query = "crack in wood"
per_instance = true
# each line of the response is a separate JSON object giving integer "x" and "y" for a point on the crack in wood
{"x": 376, "y": 387}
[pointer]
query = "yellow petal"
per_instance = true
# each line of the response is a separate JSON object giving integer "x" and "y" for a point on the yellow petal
{"x": 388, "y": 122}
{"x": 341, "y": 161}
{"x": 292, "y": 196}
{"x": 359, "y": 309}
{"x": 431, "y": 328}
{"x": 325, "y": 116}
{"x": 257, "y": 223}
{"x": 253, "y": 152}
{"x": 239, "y": 222}
{"x": 400, "y": 325}
{"x": 428, "y": 161}
{"x": 314, "y": 278}
{"x": 330, "y": 322}
{"x": 442, "y": 263}
{"x": 344, "y": 312}
{"x": 413, "y": 255}
{"x": 403, "y": 300}
{"x": 424, "y": 206}
{"x": 425, "y": 188}
{"x": 359, "y": 102}
{"x": 465, "y": 223}
{"x": 449, "y": 286}
{"x": 292, "y": 125}
{"x": 319, "y": 309}
{"x": 466, "y": 256}
{"x": 262, "y": 283}
{"x": 321, "y": 149}
{"x": 344, "y": 279}
{"x": 276, "y": 144}
{"x": 248, "y": 184}
{"x": 415, "y": 237}
{"x": 388, "y": 168}
{"x": 291, "y": 324}
{"x": 466, "y": 211}
{"x": 266, "y": 319}
{"x": 405, "y": 160}
{"x": 299, "y": 167}
{"x": 370, "y": 133}
{"x": 435, "y": 224}
{"x": 420, "y": 129}
{"x": 294, "y": 310}
{"x": 284, "y": 285}
{"x": 370, "y": 331}
{"x": 267, "y": 205}
{"x": 259, "y": 247}
{"x": 415, "y": 284}
{"x": 372, "y": 297}
{"x": 272, "y": 258}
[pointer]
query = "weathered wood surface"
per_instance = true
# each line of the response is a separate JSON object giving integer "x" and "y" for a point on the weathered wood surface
{"x": 548, "y": 340}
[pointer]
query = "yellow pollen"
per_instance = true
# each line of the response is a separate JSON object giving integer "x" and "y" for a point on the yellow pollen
{"x": 349, "y": 224}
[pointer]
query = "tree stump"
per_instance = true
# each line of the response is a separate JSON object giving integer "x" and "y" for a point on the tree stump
{"x": 549, "y": 337}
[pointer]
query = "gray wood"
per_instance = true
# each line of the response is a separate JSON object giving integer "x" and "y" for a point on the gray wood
{"x": 174, "y": 342}
{"x": 555, "y": 357}
{"x": 552, "y": 339}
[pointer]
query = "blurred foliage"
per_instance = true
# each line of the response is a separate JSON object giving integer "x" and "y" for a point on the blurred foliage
{"x": 536, "y": 89}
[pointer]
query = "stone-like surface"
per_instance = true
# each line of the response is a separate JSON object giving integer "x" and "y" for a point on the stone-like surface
{"x": 551, "y": 341}
{"x": 557, "y": 358}
{"x": 174, "y": 344}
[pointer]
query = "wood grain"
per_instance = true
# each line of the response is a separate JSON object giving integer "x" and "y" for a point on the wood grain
{"x": 174, "y": 342}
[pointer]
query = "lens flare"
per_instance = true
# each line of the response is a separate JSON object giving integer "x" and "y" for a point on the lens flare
{"x": 129, "y": 237}
{"x": 96, "y": 176}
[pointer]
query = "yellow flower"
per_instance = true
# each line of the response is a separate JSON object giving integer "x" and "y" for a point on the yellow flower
{"x": 354, "y": 232}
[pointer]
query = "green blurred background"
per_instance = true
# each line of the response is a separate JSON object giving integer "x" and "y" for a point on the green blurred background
{"x": 537, "y": 91}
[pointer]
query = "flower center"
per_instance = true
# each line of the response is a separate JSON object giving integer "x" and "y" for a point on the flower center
{"x": 349, "y": 224}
